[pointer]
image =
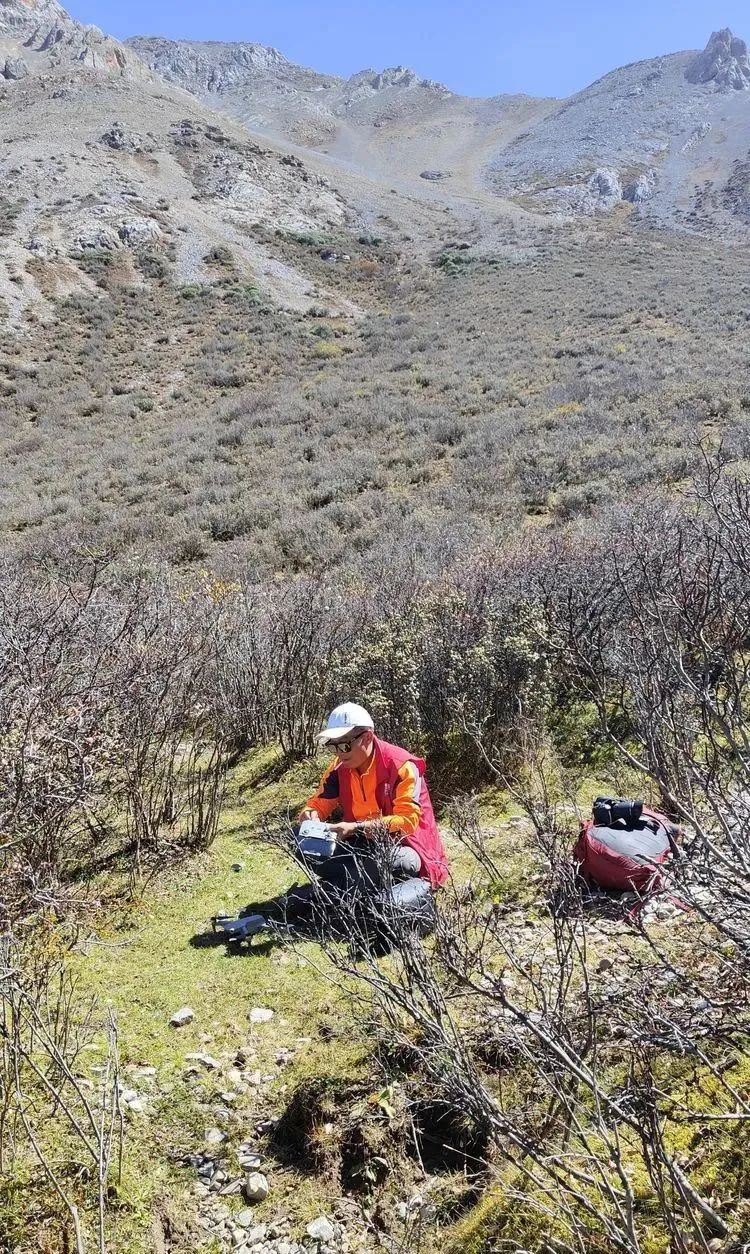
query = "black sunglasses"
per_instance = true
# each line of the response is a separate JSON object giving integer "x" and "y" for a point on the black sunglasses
{"x": 345, "y": 746}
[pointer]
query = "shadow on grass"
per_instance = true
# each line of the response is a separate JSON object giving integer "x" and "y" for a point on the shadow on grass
{"x": 284, "y": 924}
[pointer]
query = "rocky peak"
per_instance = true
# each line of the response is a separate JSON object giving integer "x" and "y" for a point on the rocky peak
{"x": 724, "y": 61}
{"x": 370, "y": 82}
{"x": 395, "y": 76}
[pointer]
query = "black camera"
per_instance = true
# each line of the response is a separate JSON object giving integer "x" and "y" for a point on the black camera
{"x": 611, "y": 810}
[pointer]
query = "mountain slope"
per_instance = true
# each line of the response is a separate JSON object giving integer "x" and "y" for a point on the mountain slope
{"x": 670, "y": 134}
{"x": 666, "y": 134}
{"x": 102, "y": 165}
{"x": 390, "y": 124}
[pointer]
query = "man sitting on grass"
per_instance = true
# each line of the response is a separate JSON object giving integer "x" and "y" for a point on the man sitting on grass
{"x": 374, "y": 854}
{"x": 374, "y": 787}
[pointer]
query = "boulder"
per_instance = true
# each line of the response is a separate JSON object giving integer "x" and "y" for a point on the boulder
{"x": 246, "y": 1219}
{"x": 139, "y": 232}
{"x": 95, "y": 237}
{"x": 434, "y": 176}
{"x": 15, "y": 68}
{"x": 55, "y": 35}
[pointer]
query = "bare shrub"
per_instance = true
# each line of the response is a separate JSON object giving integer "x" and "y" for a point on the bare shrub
{"x": 45, "y": 1027}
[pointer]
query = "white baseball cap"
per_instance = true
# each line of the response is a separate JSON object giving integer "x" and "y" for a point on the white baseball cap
{"x": 343, "y": 720}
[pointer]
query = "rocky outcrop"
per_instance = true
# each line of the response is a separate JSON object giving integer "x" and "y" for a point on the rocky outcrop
{"x": 209, "y": 67}
{"x": 87, "y": 45}
{"x": 724, "y": 62}
{"x": 605, "y": 189}
{"x": 641, "y": 189}
{"x": 598, "y": 195}
{"x": 121, "y": 140}
{"x": 20, "y": 18}
{"x": 45, "y": 28}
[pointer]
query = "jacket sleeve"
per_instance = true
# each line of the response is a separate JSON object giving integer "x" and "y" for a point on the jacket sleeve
{"x": 404, "y": 820}
{"x": 326, "y": 799}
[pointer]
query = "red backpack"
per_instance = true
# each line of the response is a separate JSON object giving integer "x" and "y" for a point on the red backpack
{"x": 623, "y": 846}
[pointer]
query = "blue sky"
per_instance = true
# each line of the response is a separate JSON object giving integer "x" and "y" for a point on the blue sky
{"x": 475, "y": 48}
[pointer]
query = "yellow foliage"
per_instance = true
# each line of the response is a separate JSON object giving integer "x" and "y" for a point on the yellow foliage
{"x": 327, "y": 348}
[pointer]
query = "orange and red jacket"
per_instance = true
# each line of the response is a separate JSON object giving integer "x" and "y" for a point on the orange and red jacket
{"x": 391, "y": 787}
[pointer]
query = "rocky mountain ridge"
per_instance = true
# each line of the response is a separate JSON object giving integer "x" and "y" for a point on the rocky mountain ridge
{"x": 283, "y": 99}
{"x": 213, "y": 66}
{"x": 38, "y": 35}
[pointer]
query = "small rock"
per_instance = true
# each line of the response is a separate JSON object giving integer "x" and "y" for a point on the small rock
{"x": 136, "y": 1107}
{"x": 238, "y": 866}
{"x": 434, "y": 176}
{"x": 517, "y": 821}
{"x": 181, "y": 1017}
{"x": 215, "y": 1136}
{"x": 246, "y": 1219}
{"x": 321, "y": 1229}
{"x": 233, "y": 1186}
{"x": 205, "y": 1060}
{"x": 249, "y": 1161}
{"x": 256, "y": 1187}
{"x": 606, "y": 964}
{"x": 228, "y": 1097}
{"x": 41, "y": 247}
{"x": 259, "y": 1014}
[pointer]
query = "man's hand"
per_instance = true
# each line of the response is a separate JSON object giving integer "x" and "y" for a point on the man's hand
{"x": 343, "y": 830}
